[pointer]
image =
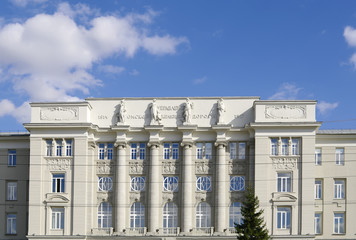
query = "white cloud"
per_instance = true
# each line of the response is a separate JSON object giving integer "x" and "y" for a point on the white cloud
{"x": 325, "y": 107}
{"x": 111, "y": 69}
{"x": 350, "y": 37}
{"x": 49, "y": 57}
{"x": 199, "y": 80}
{"x": 6, "y": 107}
{"x": 134, "y": 72}
{"x": 23, "y": 3}
{"x": 286, "y": 91}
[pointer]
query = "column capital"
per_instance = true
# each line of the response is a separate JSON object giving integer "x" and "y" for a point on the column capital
{"x": 153, "y": 144}
{"x": 220, "y": 144}
{"x": 186, "y": 144}
{"x": 120, "y": 145}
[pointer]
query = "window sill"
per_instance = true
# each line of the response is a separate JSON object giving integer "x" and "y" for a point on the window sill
{"x": 11, "y": 166}
{"x": 8, "y": 200}
{"x": 10, "y": 234}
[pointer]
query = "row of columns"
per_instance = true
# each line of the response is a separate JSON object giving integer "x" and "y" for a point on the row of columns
{"x": 187, "y": 189}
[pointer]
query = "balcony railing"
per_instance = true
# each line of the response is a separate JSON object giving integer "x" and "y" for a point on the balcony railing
{"x": 137, "y": 230}
{"x": 204, "y": 230}
{"x": 169, "y": 231}
{"x": 102, "y": 231}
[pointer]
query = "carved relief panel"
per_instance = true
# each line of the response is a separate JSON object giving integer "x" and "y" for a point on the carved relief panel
{"x": 170, "y": 167}
{"x": 59, "y": 113}
{"x": 59, "y": 164}
{"x": 203, "y": 167}
{"x": 237, "y": 167}
{"x": 137, "y": 167}
{"x": 286, "y": 112}
{"x": 285, "y": 163}
{"x": 104, "y": 167}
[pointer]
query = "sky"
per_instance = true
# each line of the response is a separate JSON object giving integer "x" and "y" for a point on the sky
{"x": 71, "y": 50}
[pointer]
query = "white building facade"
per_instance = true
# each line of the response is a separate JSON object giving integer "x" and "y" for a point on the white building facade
{"x": 177, "y": 168}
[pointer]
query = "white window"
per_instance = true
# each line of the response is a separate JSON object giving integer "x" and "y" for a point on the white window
{"x": 295, "y": 146}
{"x": 49, "y": 147}
{"x": 138, "y": 184}
{"x": 106, "y": 151}
{"x": 233, "y": 150}
{"x": 284, "y": 150}
{"x": 11, "y": 223}
{"x": 283, "y": 217}
{"x": 110, "y": 151}
{"x": 170, "y": 215}
{"x": 242, "y": 150}
{"x": 170, "y": 184}
{"x": 203, "y": 215}
{"x": 237, "y": 183}
{"x": 12, "y": 158}
{"x": 235, "y": 216}
{"x": 284, "y": 182}
{"x": 69, "y": 147}
{"x": 138, "y": 151}
{"x": 171, "y": 151}
{"x": 57, "y": 218}
{"x": 105, "y": 184}
{"x": 318, "y": 189}
{"x": 204, "y": 150}
{"x": 58, "y": 182}
{"x": 204, "y": 183}
{"x": 104, "y": 215}
{"x": 101, "y": 151}
{"x": 317, "y": 223}
{"x": 318, "y": 156}
{"x": 11, "y": 191}
{"x": 339, "y": 189}
{"x": 274, "y": 146}
{"x": 339, "y": 223}
{"x": 137, "y": 215}
{"x": 339, "y": 156}
{"x": 59, "y": 148}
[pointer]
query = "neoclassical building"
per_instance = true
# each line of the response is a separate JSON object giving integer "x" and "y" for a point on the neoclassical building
{"x": 175, "y": 168}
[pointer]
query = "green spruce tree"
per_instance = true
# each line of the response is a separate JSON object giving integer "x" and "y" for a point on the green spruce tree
{"x": 253, "y": 226}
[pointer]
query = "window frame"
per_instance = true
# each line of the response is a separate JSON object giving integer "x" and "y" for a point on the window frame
{"x": 340, "y": 156}
{"x": 340, "y": 225}
{"x": 203, "y": 215}
{"x": 138, "y": 183}
{"x": 235, "y": 215}
{"x": 11, "y": 194}
{"x": 57, "y": 218}
{"x": 274, "y": 146}
{"x": 58, "y": 179}
{"x": 204, "y": 150}
{"x": 11, "y": 223}
{"x": 318, "y": 189}
{"x": 284, "y": 217}
{"x": 105, "y": 184}
{"x": 11, "y": 158}
{"x": 203, "y": 184}
{"x": 59, "y": 148}
{"x": 284, "y": 146}
{"x": 171, "y": 151}
{"x": 237, "y": 183}
{"x": 339, "y": 189}
{"x": 318, "y": 223}
{"x": 317, "y": 156}
{"x": 284, "y": 184}
{"x": 104, "y": 215}
{"x": 137, "y": 215}
{"x": 170, "y": 215}
{"x": 69, "y": 147}
{"x": 170, "y": 183}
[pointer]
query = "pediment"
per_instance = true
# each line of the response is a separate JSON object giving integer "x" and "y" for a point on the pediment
{"x": 284, "y": 197}
{"x": 57, "y": 198}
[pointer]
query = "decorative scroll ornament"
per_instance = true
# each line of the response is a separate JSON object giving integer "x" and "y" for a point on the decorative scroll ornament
{"x": 59, "y": 113}
{"x": 104, "y": 197}
{"x": 202, "y": 167}
{"x": 286, "y": 112}
{"x": 104, "y": 167}
{"x": 284, "y": 163}
{"x": 136, "y": 168}
{"x": 170, "y": 167}
{"x": 58, "y": 164}
{"x": 137, "y": 197}
{"x": 167, "y": 197}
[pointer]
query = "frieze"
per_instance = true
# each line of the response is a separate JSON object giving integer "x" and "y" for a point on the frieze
{"x": 137, "y": 167}
{"x": 104, "y": 167}
{"x": 170, "y": 167}
{"x": 203, "y": 167}
{"x": 59, "y": 113}
{"x": 58, "y": 164}
{"x": 286, "y": 112}
{"x": 285, "y": 163}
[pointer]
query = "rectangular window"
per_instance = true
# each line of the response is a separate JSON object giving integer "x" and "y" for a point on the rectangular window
{"x": 199, "y": 151}
{"x": 101, "y": 151}
{"x": 284, "y": 182}
{"x": 11, "y": 223}
{"x": 295, "y": 146}
{"x": 274, "y": 146}
{"x": 12, "y": 158}
{"x": 339, "y": 189}
{"x": 284, "y": 146}
{"x": 11, "y": 191}
{"x": 57, "y": 218}
{"x": 59, "y": 147}
{"x": 242, "y": 150}
{"x": 208, "y": 150}
{"x": 110, "y": 150}
{"x": 69, "y": 147}
{"x": 318, "y": 189}
{"x": 283, "y": 217}
{"x": 58, "y": 183}
{"x": 339, "y": 223}
{"x": 171, "y": 151}
{"x": 166, "y": 149}
{"x": 142, "y": 151}
{"x": 133, "y": 151}
{"x": 318, "y": 156}
{"x": 175, "y": 151}
{"x": 204, "y": 150}
{"x": 339, "y": 156}
{"x": 49, "y": 147}
{"x": 317, "y": 223}
{"x": 233, "y": 150}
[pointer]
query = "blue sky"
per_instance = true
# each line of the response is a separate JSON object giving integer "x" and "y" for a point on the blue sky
{"x": 71, "y": 50}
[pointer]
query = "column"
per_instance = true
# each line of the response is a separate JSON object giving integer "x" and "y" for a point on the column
{"x": 121, "y": 191}
{"x": 153, "y": 188}
{"x": 221, "y": 188}
{"x": 187, "y": 191}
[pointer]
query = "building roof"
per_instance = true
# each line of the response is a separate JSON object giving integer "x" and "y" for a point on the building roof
{"x": 336, "y": 131}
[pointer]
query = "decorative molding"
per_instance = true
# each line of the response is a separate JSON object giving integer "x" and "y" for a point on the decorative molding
{"x": 286, "y": 112}
{"x": 170, "y": 167}
{"x": 203, "y": 197}
{"x": 137, "y": 197}
{"x": 59, "y": 164}
{"x": 285, "y": 163}
{"x": 137, "y": 167}
{"x": 59, "y": 113}
{"x": 104, "y": 197}
{"x": 203, "y": 167}
{"x": 168, "y": 197}
{"x": 104, "y": 167}
{"x": 237, "y": 167}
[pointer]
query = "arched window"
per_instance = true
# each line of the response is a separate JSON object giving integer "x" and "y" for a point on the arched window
{"x": 235, "y": 215}
{"x": 170, "y": 215}
{"x": 105, "y": 184}
{"x": 138, "y": 184}
{"x": 137, "y": 215}
{"x": 203, "y": 215}
{"x": 105, "y": 215}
